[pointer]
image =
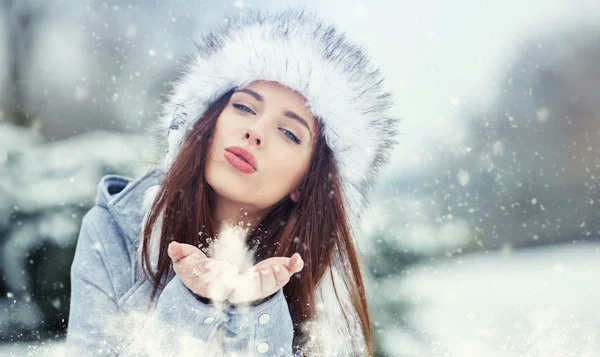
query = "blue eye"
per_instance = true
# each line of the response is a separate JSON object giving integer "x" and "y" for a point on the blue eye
{"x": 291, "y": 135}
{"x": 243, "y": 108}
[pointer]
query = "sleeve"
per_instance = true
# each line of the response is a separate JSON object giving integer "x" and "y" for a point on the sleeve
{"x": 97, "y": 327}
{"x": 180, "y": 325}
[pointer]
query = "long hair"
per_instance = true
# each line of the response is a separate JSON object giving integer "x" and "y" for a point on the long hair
{"x": 313, "y": 227}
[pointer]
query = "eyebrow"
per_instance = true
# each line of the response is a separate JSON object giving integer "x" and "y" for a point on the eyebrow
{"x": 287, "y": 113}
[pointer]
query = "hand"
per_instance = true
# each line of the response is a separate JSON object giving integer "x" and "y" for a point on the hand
{"x": 265, "y": 278}
{"x": 210, "y": 278}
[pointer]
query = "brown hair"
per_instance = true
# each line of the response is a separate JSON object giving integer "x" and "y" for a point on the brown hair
{"x": 313, "y": 226}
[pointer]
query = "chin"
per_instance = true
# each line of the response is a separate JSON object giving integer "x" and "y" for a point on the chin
{"x": 231, "y": 191}
{"x": 237, "y": 188}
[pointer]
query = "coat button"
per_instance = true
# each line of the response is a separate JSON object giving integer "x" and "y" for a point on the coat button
{"x": 209, "y": 320}
{"x": 262, "y": 347}
{"x": 263, "y": 319}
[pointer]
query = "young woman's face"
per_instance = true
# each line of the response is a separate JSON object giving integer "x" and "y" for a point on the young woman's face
{"x": 272, "y": 123}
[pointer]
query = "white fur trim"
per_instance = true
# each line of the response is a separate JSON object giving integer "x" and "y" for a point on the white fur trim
{"x": 316, "y": 60}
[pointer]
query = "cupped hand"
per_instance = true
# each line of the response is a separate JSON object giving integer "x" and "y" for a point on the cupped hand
{"x": 210, "y": 278}
{"x": 265, "y": 278}
{"x": 220, "y": 280}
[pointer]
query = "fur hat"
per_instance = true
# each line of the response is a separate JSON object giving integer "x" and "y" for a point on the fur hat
{"x": 342, "y": 90}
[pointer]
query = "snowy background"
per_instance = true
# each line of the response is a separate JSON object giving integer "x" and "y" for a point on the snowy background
{"x": 483, "y": 236}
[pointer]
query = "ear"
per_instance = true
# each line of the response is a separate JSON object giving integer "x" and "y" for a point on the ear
{"x": 295, "y": 196}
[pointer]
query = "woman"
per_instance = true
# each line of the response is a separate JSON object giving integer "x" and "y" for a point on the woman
{"x": 274, "y": 131}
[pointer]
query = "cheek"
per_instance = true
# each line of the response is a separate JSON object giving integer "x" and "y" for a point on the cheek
{"x": 291, "y": 168}
{"x": 217, "y": 141}
{"x": 226, "y": 132}
{"x": 214, "y": 150}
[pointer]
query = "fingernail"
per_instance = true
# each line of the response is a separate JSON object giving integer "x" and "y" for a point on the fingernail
{"x": 276, "y": 269}
{"x": 264, "y": 271}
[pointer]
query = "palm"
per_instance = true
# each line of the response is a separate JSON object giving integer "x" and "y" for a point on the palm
{"x": 270, "y": 262}
{"x": 219, "y": 280}
{"x": 204, "y": 276}
{"x": 265, "y": 278}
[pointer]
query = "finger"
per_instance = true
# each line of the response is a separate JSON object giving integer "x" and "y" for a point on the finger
{"x": 190, "y": 265}
{"x": 271, "y": 262}
{"x": 189, "y": 249}
{"x": 181, "y": 266}
{"x": 296, "y": 263}
{"x": 206, "y": 269}
{"x": 178, "y": 251}
{"x": 267, "y": 280}
{"x": 282, "y": 274}
{"x": 174, "y": 251}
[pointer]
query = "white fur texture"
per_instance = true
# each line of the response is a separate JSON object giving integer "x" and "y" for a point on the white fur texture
{"x": 341, "y": 88}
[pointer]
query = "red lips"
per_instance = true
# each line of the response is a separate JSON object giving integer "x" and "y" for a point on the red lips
{"x": 244, "y": 154}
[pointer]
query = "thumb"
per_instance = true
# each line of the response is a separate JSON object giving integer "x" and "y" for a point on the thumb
{"x": 296, "y": 263}
{"x": 178, "y": 251}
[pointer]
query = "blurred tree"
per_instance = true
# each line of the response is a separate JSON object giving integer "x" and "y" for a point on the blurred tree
{"x": 534, "y": 159}
{"x": 21, "y": 17}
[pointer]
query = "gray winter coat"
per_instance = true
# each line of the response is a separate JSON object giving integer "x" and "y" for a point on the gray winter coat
{"x": 109, "y": 299}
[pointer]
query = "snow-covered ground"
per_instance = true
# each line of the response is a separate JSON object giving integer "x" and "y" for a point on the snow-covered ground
{"x": 47, "y": 349}
{"x": 541, "y": 302}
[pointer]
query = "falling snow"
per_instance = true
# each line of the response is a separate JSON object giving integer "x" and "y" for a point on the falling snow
{"x": 481, "y": 239}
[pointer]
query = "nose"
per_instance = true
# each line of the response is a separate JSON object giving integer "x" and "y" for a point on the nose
{"x": 253, "y": 137}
